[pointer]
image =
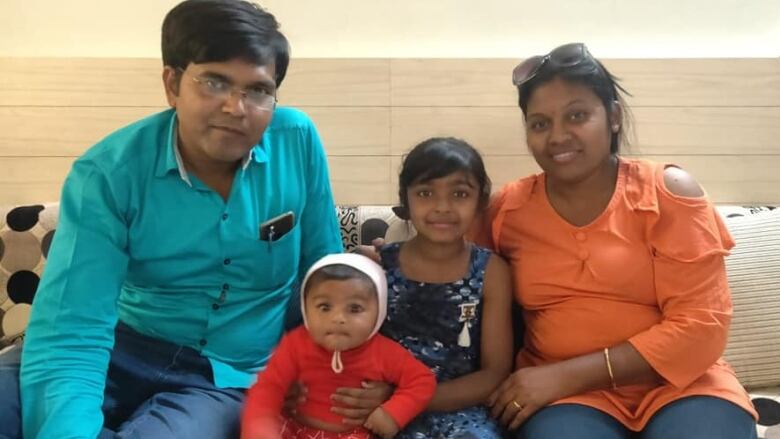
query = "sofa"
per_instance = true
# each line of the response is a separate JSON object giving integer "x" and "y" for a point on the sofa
{"x": 753, "y": 269}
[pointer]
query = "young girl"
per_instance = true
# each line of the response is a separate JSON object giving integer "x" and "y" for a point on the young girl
{"x": 449, "y": 300}
{"x": 343, "y": 301}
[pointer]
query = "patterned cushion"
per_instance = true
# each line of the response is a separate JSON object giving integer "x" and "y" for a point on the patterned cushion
{"x": 362, "y": 224}
{"x": 767, "y": 403}
{"x": 25, "y": 235}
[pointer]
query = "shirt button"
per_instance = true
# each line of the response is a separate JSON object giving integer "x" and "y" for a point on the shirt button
{"x": 583, "y": 254}
{"x": 215, "y": 307}
{"x": 227, "y": 261}
{"x": 580, "y": 236}
{"x": 225, "y": 287}
{"x": 202, "y": 342}
{"x": 224, "y": 216}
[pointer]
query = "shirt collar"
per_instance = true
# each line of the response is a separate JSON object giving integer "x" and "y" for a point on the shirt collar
{"x": 172, "y": 161}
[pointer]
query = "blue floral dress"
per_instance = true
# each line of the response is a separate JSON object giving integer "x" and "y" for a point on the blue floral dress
{"x": 441, "y": 325}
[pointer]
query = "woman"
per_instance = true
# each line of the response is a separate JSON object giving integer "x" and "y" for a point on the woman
{"x": 618, "y": 265}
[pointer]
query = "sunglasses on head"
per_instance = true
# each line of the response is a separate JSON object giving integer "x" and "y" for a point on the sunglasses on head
{"x": 568, "y": 55}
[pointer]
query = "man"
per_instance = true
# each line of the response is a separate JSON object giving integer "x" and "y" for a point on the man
{"x": 179, "y": 242}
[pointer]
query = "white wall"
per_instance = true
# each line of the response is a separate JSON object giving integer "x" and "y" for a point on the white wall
{"x": 418, "y": 28}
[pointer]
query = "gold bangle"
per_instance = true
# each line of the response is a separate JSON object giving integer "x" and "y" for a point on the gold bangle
{"x": 609, "y": 369}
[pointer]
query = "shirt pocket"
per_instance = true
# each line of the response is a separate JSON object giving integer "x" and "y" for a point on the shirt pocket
{"x": 282, "y": 258}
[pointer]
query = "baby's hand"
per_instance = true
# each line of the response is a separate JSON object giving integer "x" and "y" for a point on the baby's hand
{"x": 381, "y": 424}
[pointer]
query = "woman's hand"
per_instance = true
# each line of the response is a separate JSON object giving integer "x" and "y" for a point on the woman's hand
{"x": 524, "y": 392}
{"x": 357, "y": 404}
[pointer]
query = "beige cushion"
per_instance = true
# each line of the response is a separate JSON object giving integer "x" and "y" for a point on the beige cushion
{"x": 754, "y": 277}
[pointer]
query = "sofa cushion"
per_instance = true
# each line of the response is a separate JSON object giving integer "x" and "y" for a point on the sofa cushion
{"x": 767, "y": 403}
{"x": 362, "y": 224}
{"x": 754, "y": 278}
{"x": 25, "y": 236}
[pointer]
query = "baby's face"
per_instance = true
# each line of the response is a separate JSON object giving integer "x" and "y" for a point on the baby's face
{"x": 341, "y": 314}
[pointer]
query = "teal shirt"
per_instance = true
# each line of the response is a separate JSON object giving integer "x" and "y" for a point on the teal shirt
{"x": 141, "y": 241}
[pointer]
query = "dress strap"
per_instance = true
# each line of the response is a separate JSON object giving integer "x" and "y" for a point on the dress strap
{"x": 479, "y": 260}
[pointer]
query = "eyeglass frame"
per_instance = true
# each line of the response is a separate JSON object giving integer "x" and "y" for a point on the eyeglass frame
{"x": 242, "y": 91}
{"x": 541, "y": 60}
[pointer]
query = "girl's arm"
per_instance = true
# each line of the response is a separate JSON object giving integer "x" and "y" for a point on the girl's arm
{"x": 496, "y": 345}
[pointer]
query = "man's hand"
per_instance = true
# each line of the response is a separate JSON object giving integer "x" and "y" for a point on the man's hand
{"x": 381, "y": 424}
{"x": 295, "y": 396}
{"x": 356, "y": 404}
{"x": 371, "y": 251}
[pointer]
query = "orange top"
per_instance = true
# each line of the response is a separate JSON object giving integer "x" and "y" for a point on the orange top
{"x": 649, "y": 270}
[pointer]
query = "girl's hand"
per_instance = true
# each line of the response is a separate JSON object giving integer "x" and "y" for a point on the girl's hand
{"x": 381, "y": 424}
{"x": 357, "y": 404}
{"x": 295, "y": 396}
{"x": 524, "y": 392}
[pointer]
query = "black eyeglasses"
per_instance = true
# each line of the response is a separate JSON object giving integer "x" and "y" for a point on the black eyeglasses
{"x": 568, "y": 55}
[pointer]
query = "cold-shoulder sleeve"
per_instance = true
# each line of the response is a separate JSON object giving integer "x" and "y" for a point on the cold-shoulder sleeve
{"x": 688, "y": 240}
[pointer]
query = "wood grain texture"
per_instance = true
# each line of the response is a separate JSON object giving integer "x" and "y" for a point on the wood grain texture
{"x": 718, "y": 118}
{"x": 656, "y": 130}
{"x": 652, "y": 82}
{"x": 107, "y": 82}
{"x": 69, "y": 131}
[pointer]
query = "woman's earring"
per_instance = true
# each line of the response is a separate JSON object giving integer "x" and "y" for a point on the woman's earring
{"x": 615, "y": 128}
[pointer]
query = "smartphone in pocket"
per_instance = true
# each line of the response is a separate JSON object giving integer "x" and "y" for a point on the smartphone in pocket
{"x": 276, "y": 227}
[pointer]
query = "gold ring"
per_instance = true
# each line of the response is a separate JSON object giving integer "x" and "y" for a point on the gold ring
{"x": 515, "y": 403}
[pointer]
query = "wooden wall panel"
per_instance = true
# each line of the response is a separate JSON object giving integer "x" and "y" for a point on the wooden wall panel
{"x": 351, "y": 131}
{"x": 657, "y": 130}
{"x": 337, "y": 83}
{"x": 69, "y": 131}
{"x": 652, "y": 82}
{"x": 34, "y": 180}
{"x": 101, "y": 82}
{"x": 718, "y": 118}
{"x": 92, "y": 82}
{"x": 366, "y": 131}
{"x": 492, "y": 130}
{"x": 361, "y": 180}
{"x": 700, "y": 82}
{"x": 61, "y": 131}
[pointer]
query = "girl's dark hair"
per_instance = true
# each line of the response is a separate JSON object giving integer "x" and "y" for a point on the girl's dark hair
{"x": 438, "y": 157}
{"x": 201, "y": 31}
{"x": 338, "y": 272}
{"x": 593, "y": 75}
